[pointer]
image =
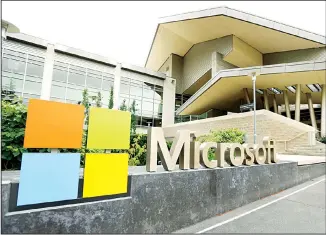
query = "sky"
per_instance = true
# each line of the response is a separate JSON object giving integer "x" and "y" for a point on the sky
{"x": 124, "y": 31}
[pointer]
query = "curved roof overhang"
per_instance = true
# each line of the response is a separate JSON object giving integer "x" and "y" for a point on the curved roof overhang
{"x": 11, "y": 28}
{"x": 177, "y": 34}
{"x": 225, "y": 90}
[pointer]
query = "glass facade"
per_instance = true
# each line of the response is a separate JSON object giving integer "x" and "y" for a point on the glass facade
{"x": 69, "y": 81}
{"x": 148, "y": 99}
{"x": 22, "y": 73}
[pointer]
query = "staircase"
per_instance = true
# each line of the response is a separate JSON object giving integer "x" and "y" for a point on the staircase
{"x": 316, "y": 150}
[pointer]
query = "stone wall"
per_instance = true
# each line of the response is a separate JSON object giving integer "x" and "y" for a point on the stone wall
{"x": 162, "y": 202}
{"x": 269, "y": 124}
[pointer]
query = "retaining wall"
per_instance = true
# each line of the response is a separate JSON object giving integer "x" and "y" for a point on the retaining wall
{"x": 161, "y": 202}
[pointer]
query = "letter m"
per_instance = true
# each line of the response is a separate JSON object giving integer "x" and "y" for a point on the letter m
{"x": 156, "y": 144}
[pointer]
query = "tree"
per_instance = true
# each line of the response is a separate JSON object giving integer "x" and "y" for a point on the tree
{"x": 111, "y": 98}
{"x": 99, "y": 100}
{"x": 132, "y": 110}
{"x": 123, "y": 106}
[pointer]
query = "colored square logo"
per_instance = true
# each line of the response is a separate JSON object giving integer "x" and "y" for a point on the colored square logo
{"x": 105, "y": 174}
{"x": 108, "y": 129}
{"x": 52, "y": 124}
{"x": 48, "y": 177}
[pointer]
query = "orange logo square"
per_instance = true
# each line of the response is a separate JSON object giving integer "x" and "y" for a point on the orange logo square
{"x": 52, "y": 124}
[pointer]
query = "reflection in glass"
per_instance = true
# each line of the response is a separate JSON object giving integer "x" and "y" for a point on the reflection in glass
{"x": 32, "y": 87}
{"x": 14, "y": 66}
{"x": 34, "y": 70}
{"x": 76, "y": 78}
{"x": 58, "y": 91}
{"x": 59, "y": 75}
{"x": 74, "y": 94}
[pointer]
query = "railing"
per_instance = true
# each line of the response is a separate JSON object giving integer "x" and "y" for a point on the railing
{"x": 311, "y": 138}
{"x": 188, "y": 118}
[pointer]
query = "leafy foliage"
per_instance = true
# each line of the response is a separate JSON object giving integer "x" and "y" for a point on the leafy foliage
{"x": 132, "y": 110}
{"x": 111, "y": 98}
{"x": 137, "y": 151}
{"x": 232, "y": 135}
{"x": 323, "y": 139}
{"x": 12, "y": 133}
{"x": 123, "y": 106}
{"x": 14, "y": 114}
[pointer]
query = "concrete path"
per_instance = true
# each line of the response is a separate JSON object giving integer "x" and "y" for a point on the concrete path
{"x": 301, "y": 159}
{"x": 300, "y": 209}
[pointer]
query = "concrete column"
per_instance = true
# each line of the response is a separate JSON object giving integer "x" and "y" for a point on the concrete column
{"x": 214, "y": 63}
{"x": 287, "y": 104}
{"x": 116, "y": 87}
{"x": 246, "y": 94}
{"x": 266, "y": 104}
{"x": 311, "y": 111}
{"x": 323, "y": 111}
{"x": 47, "y": 73}
{"x": 297, "y": 102}
{"x": 168, "y": 101}
{"x": 275, "y": 104}
{"x": 3, "y": 33}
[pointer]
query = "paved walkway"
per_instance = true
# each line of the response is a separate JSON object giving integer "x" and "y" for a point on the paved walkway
{"x": 300, "y": 209}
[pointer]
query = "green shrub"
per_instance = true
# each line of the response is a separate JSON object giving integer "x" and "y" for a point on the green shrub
{"x": 323, "y": 139}
{"x": 232, "y": 135}
{"x": 13, "y": 118}
{"x": 137, "y": 150}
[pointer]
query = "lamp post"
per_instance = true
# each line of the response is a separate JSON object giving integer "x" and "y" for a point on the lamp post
{"x": 254, "y": 94}
{"x": 253, "y": 78}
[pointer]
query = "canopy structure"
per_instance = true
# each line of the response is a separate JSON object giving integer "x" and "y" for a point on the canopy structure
{"x": 177, "y": 34}
{"x": 225, "y": 90}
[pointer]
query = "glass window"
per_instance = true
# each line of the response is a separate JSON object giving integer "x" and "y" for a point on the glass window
{"x": 74, "y": 95}
{"x": 93, "y": 81}
{"x": 147, "y": 121}
{"x": 59, "y": 75}
{"x": 135, "y": 91}
{"x": 36, "y": 58}
{"x": 148, "y": 86}
{"x": 158, "y": 95}
{"x": 58, "y": 91}
{"x": 148, "y": 106}
{"x": 32, "y": 78}
{"x": 105, "y": 97}
{"x": 121, "y": 101}
{"x": 32, "y": 87}
{"x": 15, "y": 66}
{"x": 60, "y": 65}
{"x": 138, "y": 120}
{"x": 158, "y": 108}
{"x": 28, "y": 96}
{"x": 58, "y": 100}
{"x": 157, "y": 121}
{"x": 14, "y": 53}
{"x": 16, "y": 84}
{"x": 76, "y": 77}
{"x": 124, "y": 88}
{"x": 148, "y": 93}
{"x": 34, "y": 70}
{"x": 107, "y": 84}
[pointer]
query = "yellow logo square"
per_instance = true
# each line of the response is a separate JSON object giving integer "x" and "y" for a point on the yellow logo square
{"x": 105, "y": 174}
{"x": 108, "y": 129}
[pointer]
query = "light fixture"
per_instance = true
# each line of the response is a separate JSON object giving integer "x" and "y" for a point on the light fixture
{"x": 314, "y": 87}
{"x": 291, "y": 88}
{"x": 275, "y": 90}
{"x": 259, "y": 91}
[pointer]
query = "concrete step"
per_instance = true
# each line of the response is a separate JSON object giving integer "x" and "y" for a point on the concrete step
{"x": 305, "y": 154}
